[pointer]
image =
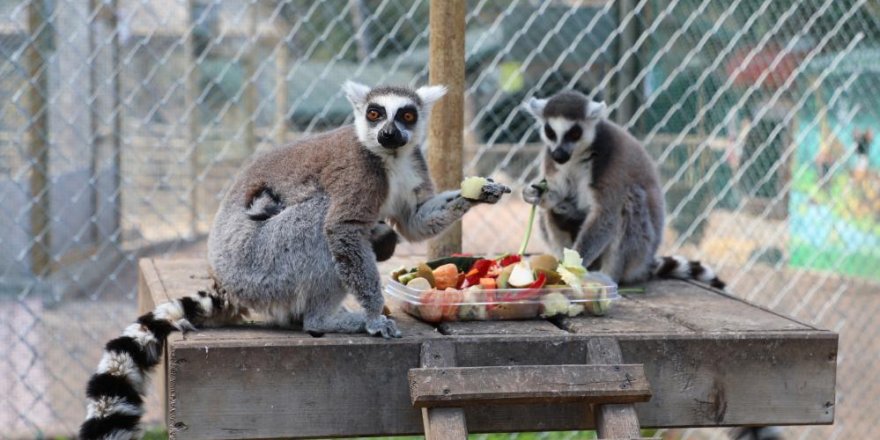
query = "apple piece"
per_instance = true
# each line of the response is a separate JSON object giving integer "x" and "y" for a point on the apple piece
{"x": 521, "y": 275}
{"x": 544, "y": 262}
{"x": 418, "y": 283}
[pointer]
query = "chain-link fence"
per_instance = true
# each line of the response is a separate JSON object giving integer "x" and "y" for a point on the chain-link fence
{"x": 122, "y": 120}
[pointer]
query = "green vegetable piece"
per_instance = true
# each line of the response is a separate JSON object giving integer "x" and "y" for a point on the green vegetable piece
{"x": 462, "y": 263}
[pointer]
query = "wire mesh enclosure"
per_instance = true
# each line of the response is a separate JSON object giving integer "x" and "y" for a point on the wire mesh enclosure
{"x": 122, "y": 122}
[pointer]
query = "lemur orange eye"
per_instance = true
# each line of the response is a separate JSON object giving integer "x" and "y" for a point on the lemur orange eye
{"x": 409, "y": 117}
{"x": 373, "y": 115}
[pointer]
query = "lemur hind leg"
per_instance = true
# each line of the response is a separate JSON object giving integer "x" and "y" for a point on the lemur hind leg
{"x": 640, "y": 240}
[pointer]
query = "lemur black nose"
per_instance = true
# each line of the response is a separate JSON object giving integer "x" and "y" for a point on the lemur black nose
{"x": 391, "y": 138}
{"x": 560, "y": 155}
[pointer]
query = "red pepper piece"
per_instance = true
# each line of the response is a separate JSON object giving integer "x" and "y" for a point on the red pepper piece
{"x": 531, "y": 291}
{"x": 478, "y": 270}
{"x": 510, "y": 259}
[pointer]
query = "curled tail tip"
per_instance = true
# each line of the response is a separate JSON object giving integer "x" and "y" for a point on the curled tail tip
{"x": 115, "y": 392}
{"x": 678, "y": 267}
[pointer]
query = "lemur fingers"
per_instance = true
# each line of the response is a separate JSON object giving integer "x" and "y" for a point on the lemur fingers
{"x": 492, "y": 192}
{"x": 382, "y": 326}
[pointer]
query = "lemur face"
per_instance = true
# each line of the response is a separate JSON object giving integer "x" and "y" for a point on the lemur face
{"x": 388, "y": 119}
{"x": 568, "y": 123}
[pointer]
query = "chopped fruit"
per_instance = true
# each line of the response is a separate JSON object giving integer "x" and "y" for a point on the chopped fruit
{"x": 445, "y": 276}
{"x": 425, "y": 272}
{"x": 488, "y": 283}
{"x": 472, "y": 187}
{"x": 553, "y": 304}
{"x": 419, "y": 283}
{"x": 504, "y": 276}
{"x": 544, "y": 262}
{"x": 521, "y": 276}
{"x": 439, "y": 305}
{"x": 507, "y": 260}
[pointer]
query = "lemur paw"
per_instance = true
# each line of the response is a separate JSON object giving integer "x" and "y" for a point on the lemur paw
{"x": 384, "y": 326}
{"x": 533, "y": 193}
{"x": 492, "y": 192}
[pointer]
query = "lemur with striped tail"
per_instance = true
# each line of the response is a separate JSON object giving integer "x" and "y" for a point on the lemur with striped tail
{"x": 603, "y": 195}
{"x": 301, "y": 227}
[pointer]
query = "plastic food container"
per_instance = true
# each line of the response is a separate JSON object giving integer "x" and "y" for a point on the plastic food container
{"x": 595, "y": 299}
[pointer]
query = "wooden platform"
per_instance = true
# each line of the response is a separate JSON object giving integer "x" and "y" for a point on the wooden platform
{"x": 711, "y": 360}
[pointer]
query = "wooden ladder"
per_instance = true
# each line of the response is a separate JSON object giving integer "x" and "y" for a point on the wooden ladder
{"x": 441, "y": 389}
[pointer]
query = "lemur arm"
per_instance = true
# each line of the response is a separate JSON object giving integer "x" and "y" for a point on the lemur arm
{"x": 597, "y": 232}
{"x": 431, "y": 216}
{"x": 436, "y": 212}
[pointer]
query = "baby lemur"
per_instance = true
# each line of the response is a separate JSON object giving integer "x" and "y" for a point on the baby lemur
{"x": 299, "y": 228}
{"x": 603, "y": 194}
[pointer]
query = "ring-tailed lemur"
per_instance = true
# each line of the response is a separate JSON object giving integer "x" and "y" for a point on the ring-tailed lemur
{"x": 603, "y": 194}
{"x": 299, "y": 228}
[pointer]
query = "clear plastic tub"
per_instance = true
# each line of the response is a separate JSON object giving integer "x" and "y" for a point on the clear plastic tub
{"x": 596, "y": 298}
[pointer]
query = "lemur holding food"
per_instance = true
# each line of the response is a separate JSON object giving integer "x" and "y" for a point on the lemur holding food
{"x": 301, "y": 227}
{"x": 603, "y": 196}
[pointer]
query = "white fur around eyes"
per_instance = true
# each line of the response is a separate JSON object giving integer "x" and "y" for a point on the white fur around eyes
{"x": 392, "y": 103}
{"x": 560, "y": 126}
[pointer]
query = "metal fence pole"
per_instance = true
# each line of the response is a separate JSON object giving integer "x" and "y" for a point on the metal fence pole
{"x": 38, "y": 138}
{"x": 445, "y": 135}
{"x": 250, "y": 85}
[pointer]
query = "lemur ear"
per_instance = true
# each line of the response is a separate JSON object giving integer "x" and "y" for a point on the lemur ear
{"x": 536, "y": 106}
{"x": 355, "y": 92}
{"x": 596, "y": 110}
{"x": 430, "y": 94}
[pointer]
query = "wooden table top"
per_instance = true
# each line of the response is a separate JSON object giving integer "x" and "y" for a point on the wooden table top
{"x": 711, "y": 359}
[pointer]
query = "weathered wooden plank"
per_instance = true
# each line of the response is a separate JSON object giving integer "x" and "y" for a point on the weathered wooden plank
{"x": 625, "y": 317}
{"x": 704, "y": 310}
{"x": 441, "y": 423}
{"x": 738, "y": 380}
{"x": 612, "y": 421}
{"x": 461, "y": 386}
{"x": 291, "y": 391}
{"x": 500, "y": 328}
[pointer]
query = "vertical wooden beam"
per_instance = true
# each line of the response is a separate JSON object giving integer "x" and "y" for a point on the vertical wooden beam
{"x": 250, "y": 86}
{"x": 442, "y": 423}
{"x": 281, "y": 66}
{"x": 38, "y": 137}
{"x": 97, "y": 10}
{"x": 618, "y": 420}
{"x": 627, "y": 74}
{"x": 446, "y": 132}
{"x": 116, "y": 111}
{"x": 192, "y": 129}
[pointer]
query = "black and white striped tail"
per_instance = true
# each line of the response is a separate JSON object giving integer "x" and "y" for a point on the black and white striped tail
{"x": 756, "y": 433}
{"x": 681, "y": 268}
{"x": 115, "y": 392}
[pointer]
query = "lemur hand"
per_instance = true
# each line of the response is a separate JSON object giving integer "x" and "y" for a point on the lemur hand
{"x": 383, "y": 326}
{"x": 492, "y": 191}
{"x": 534, "y": 192}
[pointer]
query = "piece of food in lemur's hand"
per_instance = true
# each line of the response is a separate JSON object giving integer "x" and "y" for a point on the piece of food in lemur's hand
{"x": 603, "y": 196}
{"x": 472, "y": 187}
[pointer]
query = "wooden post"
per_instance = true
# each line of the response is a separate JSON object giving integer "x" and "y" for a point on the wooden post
{"x": 192, "y": 129}
{"x": 446, "y": 132}
{"x": 38, "y": 138}
{"x": 116, "y": 111}
{"x": 281, "y": 104}
{"x": 627, "y": 74}
{"x": 94, "y": 129}
{"x": 614, "y": 420}
{"x": 250, "y": 86}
